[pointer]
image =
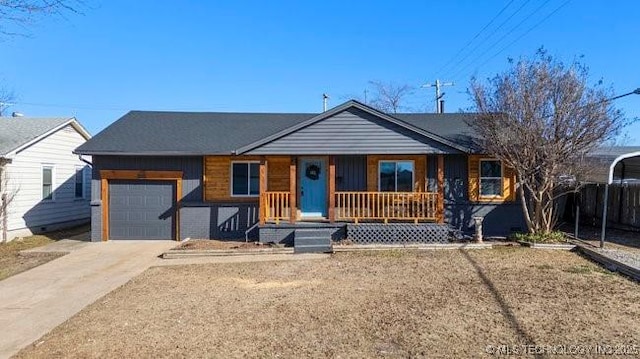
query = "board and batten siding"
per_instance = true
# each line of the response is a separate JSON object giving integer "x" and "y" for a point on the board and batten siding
{"x": 352, "y": 132}
{"x": 28, "y": 212}
{"x": 351, "y": 173}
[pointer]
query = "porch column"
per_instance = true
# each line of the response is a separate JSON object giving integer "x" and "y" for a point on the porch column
{"x": 263, "y": 190}
{"x": 440, "y": 201}
{"x": 332, "y": 189}
{"x": 293, "y": 175}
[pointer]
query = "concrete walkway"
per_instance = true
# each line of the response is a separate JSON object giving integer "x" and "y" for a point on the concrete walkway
{"x": 34, "y": 302}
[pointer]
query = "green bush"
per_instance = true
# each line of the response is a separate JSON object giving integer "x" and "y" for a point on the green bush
{"x": 553, "y": 237}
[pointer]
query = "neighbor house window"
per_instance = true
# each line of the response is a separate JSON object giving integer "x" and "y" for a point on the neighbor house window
{"x": 47, "y": 182}
{"x": 395, "y": 176}
{"x": 245, "y": 178}
{"x": 490, "y": 178}
{"x": 79, "y": 182}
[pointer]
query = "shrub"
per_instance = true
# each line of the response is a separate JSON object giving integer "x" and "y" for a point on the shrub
{"x": 551, "y": 237}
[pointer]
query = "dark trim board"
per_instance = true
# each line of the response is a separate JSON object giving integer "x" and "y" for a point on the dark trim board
{"x": 106, "y": 175}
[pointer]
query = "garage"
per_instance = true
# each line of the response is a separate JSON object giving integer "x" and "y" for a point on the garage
{"x": 142, "y": 209}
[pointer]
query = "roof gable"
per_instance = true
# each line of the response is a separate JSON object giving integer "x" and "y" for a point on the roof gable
{"x": 20, "y": 132}
{"x": 352, "y": 128}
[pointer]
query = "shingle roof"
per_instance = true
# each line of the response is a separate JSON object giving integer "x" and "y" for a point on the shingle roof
{"x": 200, "y": 133}
{"x": 189, "y": 133}
{"x": 452, "y": 126}
{"x": 17, "y": 131}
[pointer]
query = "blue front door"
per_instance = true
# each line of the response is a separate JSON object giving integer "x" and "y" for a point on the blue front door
{"x": 313, "y": 187}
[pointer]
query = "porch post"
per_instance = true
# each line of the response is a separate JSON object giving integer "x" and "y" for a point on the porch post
{"x": 263, "y": 190}
{"x": 293, "y": 175}
{"x": 332, "y": 189}
{"x": 440, "y": 202}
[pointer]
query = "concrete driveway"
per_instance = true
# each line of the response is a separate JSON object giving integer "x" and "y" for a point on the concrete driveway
{"x": 38, "y": 300}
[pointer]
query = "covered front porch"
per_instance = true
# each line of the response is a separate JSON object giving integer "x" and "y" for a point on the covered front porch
{"x": 351, "y": 189}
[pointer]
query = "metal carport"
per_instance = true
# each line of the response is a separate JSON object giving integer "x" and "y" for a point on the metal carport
{"x": 612, "y": 165}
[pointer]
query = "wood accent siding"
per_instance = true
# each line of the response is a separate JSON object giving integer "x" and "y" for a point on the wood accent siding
{"x": 419, "y": 176}
{"x": 278, "y": 173}
{"x": 508, "y": 181}
{"x": 217, "y": 172}
{"x": 332, "y": 189}
{"x": 293, "y": 189}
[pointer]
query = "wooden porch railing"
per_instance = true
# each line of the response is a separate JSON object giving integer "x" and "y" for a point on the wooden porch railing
{"x": 414, "y": 206}
{"x": 276, "y": 205}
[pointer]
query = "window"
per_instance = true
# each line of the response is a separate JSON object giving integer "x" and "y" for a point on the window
{"x": 80, "y": 182}
{"x": 490, "y": 178}
{"x": 395, "y": 176}
{"x": 245, "y": 178}
{"x": 47, "y": 182}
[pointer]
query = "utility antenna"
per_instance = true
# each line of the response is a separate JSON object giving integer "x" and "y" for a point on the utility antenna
{"x": 325, "y": 99}
{"x": 439, "y": 96}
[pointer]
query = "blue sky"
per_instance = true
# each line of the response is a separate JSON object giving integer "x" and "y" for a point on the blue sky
{"x": 280, "y": 56}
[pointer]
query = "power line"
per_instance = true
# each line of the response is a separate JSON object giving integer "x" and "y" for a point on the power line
{"x": 525, "y": 33}
{"x": 512, "y": 30}
{"x": 98, "y": 108}
{"x": 491, "y": 34}
{"x": 73, "y": 106}
{"x": 474, "y": 37}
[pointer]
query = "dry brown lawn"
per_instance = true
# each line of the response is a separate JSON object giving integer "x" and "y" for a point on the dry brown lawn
{"x": 13, "y": 262}
{"x": 444, "y": 303}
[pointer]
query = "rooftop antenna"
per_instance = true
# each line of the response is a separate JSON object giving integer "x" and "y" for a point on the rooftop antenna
{"x": 325, "y": 99}
{"x": 439, "y": 101}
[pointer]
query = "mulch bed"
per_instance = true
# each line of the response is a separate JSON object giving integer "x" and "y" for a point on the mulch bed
{"x": 212, "y": 244}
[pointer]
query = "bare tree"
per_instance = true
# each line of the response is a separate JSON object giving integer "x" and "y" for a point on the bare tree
{"x": 6, "y": 100}
{"x": 541, "y": 118}
{"x": 389, "y": 97}
{"x": 6, "y": 197}
{"x": 16, "y": 16}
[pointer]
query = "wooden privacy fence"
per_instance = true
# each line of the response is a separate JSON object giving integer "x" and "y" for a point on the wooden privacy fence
{"x": 624, "y": 204}
{"x": 414, "y": 206}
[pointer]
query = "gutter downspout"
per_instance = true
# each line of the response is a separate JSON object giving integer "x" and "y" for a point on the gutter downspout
{"x": 85, "y": 161}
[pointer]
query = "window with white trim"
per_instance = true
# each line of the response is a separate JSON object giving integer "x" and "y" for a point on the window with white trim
{"x": 47, "y": 182}
{"x": 490, "y": 178}
{"x": 395, "y": 176}
{"x": 245, "y": 178}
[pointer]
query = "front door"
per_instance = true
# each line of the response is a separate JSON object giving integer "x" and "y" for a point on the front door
{"x": 313, "y": 187}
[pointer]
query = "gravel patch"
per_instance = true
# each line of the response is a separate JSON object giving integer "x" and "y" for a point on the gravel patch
{"x": 627, "y": 257}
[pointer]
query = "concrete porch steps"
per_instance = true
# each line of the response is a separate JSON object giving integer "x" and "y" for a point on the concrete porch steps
{"x": 312, "y": 240}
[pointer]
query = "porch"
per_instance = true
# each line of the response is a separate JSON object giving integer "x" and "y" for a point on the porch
{"x": 372, "y": 206}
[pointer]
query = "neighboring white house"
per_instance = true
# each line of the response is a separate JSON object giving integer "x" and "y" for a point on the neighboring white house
{"x": 43, "y": 185}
